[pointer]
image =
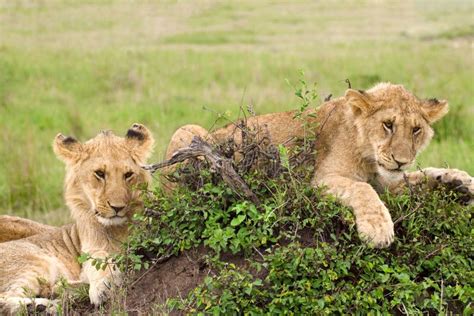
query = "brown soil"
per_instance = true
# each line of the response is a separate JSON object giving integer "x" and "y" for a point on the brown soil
{"x": 173, "y": 278}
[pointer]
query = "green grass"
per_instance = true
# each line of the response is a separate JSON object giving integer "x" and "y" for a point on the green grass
{"x": 213, "y": 38}
{"x": 80, "y": 68}
{"x": 455, "y": 33}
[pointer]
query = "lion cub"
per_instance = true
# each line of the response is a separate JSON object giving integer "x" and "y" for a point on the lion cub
{"x": 102, "y": 176}
{"x": 363, "y": 137}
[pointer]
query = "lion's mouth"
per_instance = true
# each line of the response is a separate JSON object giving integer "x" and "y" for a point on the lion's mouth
{"x": 115, "y": 216}
{"x": 395, "y": 170}
{"x": 112, "y": 220}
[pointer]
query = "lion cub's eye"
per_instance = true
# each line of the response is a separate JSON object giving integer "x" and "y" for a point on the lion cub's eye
{"x": 99, "y": 174}
{"x": 416, "y": 130}
{"x": 388, "y": 126}
{"x": 128, "y": 175}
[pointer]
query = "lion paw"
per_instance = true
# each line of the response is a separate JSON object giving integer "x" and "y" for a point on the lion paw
{"x": 42, "y": 306}
{"x": 99, "y": 292}
{"x": 456, "y": 180}
{"x": 377, "y": 231}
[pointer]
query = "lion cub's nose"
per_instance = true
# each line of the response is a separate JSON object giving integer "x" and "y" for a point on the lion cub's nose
{"x": 117, "y": 208}
{"x": 400, "y": 163}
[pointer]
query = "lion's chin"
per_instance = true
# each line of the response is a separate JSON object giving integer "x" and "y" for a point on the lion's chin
{"x": 112, "y": 221}
{"x": 390, "y": 175}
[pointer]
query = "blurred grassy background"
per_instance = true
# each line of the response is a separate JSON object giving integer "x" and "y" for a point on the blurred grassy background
{"x": 79, "y": 67}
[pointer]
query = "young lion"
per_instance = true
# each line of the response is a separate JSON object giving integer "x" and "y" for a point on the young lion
{"x": 364, "y": 137}
{"x": 101, "y": 182}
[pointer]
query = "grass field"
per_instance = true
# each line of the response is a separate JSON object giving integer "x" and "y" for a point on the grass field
{"x": 78, "y": 68}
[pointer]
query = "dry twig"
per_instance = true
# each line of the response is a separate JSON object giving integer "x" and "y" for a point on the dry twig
{"x": 200, "y": 148}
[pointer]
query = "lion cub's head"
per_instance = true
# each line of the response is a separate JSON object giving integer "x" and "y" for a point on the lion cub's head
{"x": 393, "y": 125}
{"x": 103, "y": 174}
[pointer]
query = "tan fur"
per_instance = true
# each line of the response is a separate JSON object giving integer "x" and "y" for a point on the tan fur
{"x": 13, "y": 227}
{"x": 102, "y": 176}
{"x": 354, "y": 148}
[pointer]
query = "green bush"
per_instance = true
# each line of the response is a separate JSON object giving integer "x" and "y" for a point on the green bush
{"x": 428, "y": 269}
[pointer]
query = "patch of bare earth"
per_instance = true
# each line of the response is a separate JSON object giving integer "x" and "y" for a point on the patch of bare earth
{"x": 173, "y": 278}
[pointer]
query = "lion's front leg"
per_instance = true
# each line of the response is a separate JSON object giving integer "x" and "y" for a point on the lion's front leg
{"x": 373, "y": 219}
{"x": 101, "y": 281}
{"x": 457, "y": 180}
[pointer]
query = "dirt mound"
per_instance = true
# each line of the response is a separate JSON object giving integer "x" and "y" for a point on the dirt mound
{"x": 173, "y": 278}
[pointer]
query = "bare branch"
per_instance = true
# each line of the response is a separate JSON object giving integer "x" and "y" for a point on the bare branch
{"x": 200, "y": 148}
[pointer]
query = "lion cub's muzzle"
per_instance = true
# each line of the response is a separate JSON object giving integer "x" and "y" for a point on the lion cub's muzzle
{"x": 118, "y": 209}
{"x": 113, "y": 214}
{"x": 394, "y": 164}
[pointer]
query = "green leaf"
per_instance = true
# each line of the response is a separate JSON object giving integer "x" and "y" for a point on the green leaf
{"x": 238, "y": 220}
{"x": 83, "y": 257}
{"x": 285, "y": 162}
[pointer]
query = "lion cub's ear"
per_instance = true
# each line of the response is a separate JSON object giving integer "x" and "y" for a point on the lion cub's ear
{"x": 359, "y": 100}
{"x": 140, "y": 141}
{"x": 434, "y": 109}
{"x": 68, "y": 149}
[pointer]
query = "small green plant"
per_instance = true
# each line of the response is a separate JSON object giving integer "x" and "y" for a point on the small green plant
{"x": 70, "y": 295}
{"x": 306, "y": 93}
{"x": 235, "y": 290}
{"x": 98, "y": 263}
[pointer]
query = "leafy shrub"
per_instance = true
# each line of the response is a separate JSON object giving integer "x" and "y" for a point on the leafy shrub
{"x": 428, "y": 269}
